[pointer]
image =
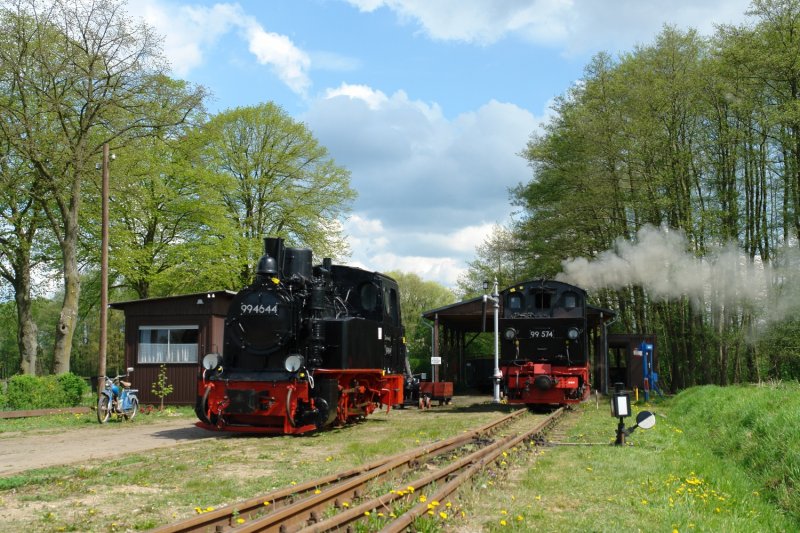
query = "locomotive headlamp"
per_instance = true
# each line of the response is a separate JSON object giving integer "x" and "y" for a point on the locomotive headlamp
{"x": 212, "y": 360}
{"x": 510, "y": 334}
{"x": 293, "y": 363}
{"x": 572, "y": 334}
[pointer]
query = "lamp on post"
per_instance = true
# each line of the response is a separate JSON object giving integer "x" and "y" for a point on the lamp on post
{"x": 495, "y": 299}
{"x": 621, "y": 408}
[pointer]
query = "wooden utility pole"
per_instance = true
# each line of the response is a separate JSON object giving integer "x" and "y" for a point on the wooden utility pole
{"x": 103, "y": 275}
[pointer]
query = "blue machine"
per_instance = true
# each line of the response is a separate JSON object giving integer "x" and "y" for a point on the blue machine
{"x": 650, "y": 375}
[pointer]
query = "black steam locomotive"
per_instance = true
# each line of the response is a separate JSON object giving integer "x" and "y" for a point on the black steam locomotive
{"x": 545, "y": 328}
{"x": 305, "y": 348}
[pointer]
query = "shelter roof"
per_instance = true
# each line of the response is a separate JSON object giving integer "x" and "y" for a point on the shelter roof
{"x": 467, "y": 315}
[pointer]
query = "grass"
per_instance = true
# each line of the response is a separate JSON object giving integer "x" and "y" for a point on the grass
{"x": 50, "y": 423}
{"x": 719, "y": 459}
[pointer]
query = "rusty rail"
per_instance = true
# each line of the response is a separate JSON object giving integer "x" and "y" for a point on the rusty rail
{"x": 291, "y": 508}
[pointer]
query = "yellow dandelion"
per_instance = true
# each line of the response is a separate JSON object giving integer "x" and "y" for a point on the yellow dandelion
{"x": 442, "y": 515}
{"x": 366, "y": 513}
{"x": 430, "y": 513}
{"x": 448, "y": 505}
{"x": 423, "y": 498}
{"x": 266, "y": 503}
{"x": 198, "y": 510}
{"x": 380, "y": 515}
{"x": 293, "y": 483}
{"x": 392, "y": 515}
{"x": 675, "y": 531}
{"x": 435, "y": 503}
{"x": 240, "y": 520}
{"x": 410, "y": 489}
{"x": 644, "y": 502}
{"x": 755, "y": 493}
{"x": 520, "y": 518}
{"x": 538, "y": 497}
{"x": 717, "y": 510}
{"x": 317, "y": 491}
{"x": 329, "y": 458}
{"x": 503, "y": 512}
{"x": 345, "y": 504}
{"x": 503, "y": 463}
{"x": 209, "y": 509}
{"x": 505, "y": 454}
{"x": 503, "y": 523}
{"x": 588, "y": 468}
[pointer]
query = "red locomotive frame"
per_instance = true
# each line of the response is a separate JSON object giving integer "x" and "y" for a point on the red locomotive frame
{"x": 361, "y": 392}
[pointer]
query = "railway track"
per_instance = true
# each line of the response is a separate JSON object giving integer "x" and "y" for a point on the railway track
{"x": 341, "y": 499}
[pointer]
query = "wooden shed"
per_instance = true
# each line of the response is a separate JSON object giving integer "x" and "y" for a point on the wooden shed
{"x": 176, "y": 331}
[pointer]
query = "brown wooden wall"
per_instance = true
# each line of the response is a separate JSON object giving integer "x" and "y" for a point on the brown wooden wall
{"x": 208, "y": 316}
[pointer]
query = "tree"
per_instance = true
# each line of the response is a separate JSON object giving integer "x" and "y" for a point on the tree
{"x": 168, "y": 225}
{"x": 276, "y": 179}
{"x": 416, "y": 297}
{"x": 161, "y": 388}
{"x": 76, "y": 75}
{"x": 21, "y": 217}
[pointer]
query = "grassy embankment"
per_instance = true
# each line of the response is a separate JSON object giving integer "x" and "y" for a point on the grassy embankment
{"x": 719, "y": 459}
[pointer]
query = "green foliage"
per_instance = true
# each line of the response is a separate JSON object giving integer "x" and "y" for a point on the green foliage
{"x": 74, "y": 387}
{"x": 160, "y": 387}
{"x": 779, "y": 347}
{"x": 416, "y": 297}
{"x": 33, "y": 392}
{"x": 45, "y": 392}
{"x": 274, "y": 179}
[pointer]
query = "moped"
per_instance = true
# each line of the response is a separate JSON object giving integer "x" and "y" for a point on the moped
{"x": 117, "y": 397}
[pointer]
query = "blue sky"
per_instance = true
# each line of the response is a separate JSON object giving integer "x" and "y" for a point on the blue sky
{"x": 427, "y": 102}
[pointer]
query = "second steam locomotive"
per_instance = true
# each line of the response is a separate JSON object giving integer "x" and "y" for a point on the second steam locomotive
{"x": 305, "y": 347}
{"x": 544, "y": 327}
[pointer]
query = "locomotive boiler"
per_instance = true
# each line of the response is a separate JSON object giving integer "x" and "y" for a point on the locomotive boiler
{"x": 305, "y": 347}
{"x": 544, "y": 332}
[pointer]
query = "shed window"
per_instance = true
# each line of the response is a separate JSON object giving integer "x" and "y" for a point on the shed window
{"x": 168, "y": 344}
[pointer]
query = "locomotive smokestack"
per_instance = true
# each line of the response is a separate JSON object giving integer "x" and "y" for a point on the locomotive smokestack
{"x": 274, "y": 249}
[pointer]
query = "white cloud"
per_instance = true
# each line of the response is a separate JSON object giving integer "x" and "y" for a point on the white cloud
{"x": 413, "y": 167}
{"x": 430, "y": 188}
{"x": 289, "y": 62}
{"x": 191, "y": 30}
{"x": 373, "y": 98}
{"x": 574, "y": 25}
{"x": 376, "y": 247}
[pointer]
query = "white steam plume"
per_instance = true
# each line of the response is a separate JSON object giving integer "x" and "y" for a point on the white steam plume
{"x": 659, "y": 262}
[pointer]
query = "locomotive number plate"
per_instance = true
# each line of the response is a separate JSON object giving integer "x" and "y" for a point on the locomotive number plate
{"x": 542, "y": 333}
{"x": 259, "y": 309}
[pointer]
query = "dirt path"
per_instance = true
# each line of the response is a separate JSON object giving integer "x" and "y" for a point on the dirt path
{"x": 19, "y": 453}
